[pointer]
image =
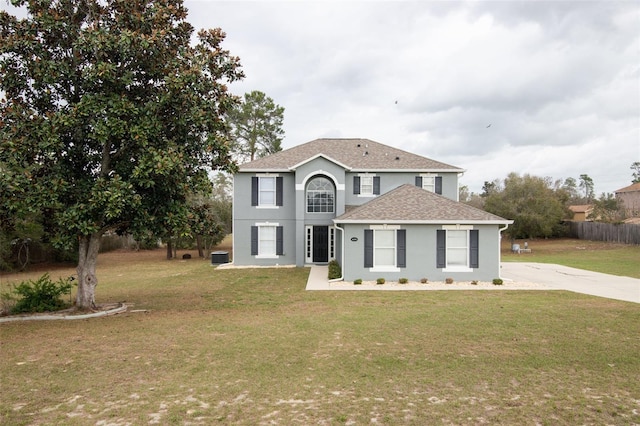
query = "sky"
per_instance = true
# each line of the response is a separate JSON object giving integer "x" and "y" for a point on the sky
{"x": 547, "y": 88}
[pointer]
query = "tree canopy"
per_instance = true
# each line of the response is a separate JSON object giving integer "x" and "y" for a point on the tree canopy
{"x": 535, "y": 207}
{"x": 635, "y": 166}
{"x": 257, "y": 126}
{"x": 110, "y": 118}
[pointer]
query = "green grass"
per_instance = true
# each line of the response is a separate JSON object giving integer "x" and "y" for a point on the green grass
{"x": 252, "y": 347}
{"x": 608, "y": 258}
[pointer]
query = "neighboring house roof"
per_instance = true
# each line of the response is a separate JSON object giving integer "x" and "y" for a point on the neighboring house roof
{"x": 631, "y": 188}
{"x": 583, "y": 208}
{"x": 410, "y": 204}
{"x": 353, "y": 154}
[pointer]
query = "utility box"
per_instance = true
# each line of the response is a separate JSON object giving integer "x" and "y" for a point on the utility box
{"x": 218, "y": 257}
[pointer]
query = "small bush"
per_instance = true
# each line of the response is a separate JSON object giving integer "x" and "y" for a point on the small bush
{"x": 449, "y": 280}
{"x": 380, "y": 281}
{"x": 41, "y": 295}
{"x": 424, "y": 280}
{"x": 474, "y": 282}
{"x": 497, "y": 281}
{"x": 335, "y": 271}
{"x": 358, "y": 281}
{"x": 403, "y": 280}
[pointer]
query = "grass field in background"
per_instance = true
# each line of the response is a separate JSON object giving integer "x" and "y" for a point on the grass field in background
{"x": 206, "y": 346}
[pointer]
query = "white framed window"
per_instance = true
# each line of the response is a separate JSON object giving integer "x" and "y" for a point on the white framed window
{"x": 320, "y": 196}
{"x": 458, "y": 248}
{"x": 429, "y": 182}
{"x": 267, "y": 191}
{"x": 384, "y": 248}
{"x": 366, "y": 185}
{"x": 266, "y": 241}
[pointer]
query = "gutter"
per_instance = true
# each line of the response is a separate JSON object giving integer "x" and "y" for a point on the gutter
{"x": 499, "y": 249}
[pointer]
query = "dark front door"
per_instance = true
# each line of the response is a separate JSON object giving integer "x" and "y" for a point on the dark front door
{"x": 320, "y": 244}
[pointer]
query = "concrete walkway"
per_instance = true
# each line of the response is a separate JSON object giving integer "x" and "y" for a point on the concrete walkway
{"x": 517, "y": 276}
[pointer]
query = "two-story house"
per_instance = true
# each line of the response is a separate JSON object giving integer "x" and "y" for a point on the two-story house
{"x": 378, "y": 210}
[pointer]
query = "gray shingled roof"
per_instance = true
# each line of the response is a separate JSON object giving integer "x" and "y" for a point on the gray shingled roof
{"x": 408, "y": 203}
{"x": 355, "y": 154}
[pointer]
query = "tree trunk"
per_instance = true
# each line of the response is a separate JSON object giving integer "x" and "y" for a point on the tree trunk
{"x": 89, "y": 245}
{"x": 199, "y": 243}
{"x": 169, "y": 250}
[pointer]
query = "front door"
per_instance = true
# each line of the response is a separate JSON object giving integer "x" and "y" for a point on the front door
{"x": 320, "y": 244}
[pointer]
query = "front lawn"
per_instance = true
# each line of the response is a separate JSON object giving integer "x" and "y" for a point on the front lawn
{"x": 252, "y": 347}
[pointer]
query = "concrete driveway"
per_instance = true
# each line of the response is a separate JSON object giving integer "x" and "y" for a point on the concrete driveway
{"x": 572, "y": 279}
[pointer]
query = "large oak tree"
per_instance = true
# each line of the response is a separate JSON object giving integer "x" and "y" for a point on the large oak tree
{"x": 110, "y": 117}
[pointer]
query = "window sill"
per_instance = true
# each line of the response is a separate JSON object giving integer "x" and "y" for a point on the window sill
{"x": 457, "y": 269}
{"x": 267, "y": 207}
{"x": 267, "y": 256}
{"x": 384, "y": 269}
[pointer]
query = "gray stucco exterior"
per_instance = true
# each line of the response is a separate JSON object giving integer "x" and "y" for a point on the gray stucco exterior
{"x": 282, "y": 230}
{"x": 420, "y": 255}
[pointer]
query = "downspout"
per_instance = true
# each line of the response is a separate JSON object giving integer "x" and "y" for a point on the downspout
{"x": 499, "y": 250}
{"x": 342, "y": 265}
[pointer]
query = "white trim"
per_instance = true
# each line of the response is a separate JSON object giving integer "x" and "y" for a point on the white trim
{"x": 385, "y": 227}
{"x": 265, "y": 225}
{"x": 457, "y": 269}
{"x": 457, "y": 227}
{"x": 426, "y": 222}
{"x": 384, "y": 269}
{"x": 320, "y": 155}
{"x": 302, "y": 186}
{"x": 275, "y": 177}
{"x": 367, "y": 194}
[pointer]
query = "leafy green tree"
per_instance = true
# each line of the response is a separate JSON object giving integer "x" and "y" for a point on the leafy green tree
{"x": 257, "y": 126}
{"x": 607, "y": 208}
{"x": 534, "y": 206}
{"x": 110, "y": 118}
{"x": 635, "y": 166}
{"x": 586, "y": 184}
{"x": 571, "y": 187}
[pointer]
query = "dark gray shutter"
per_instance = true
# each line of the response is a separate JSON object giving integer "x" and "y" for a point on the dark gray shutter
{"x": 368, "y": 248}
{"x": 441, "y": 248}
{"x": 279, "y": 191}
{"x": 356, "y": 184}
{"x": 376, "y": 185}
{"x": 474, "y": 249}
{"x": 279, "y": 240}
{"x": 419, "y": 181}
{"x": 439, "y": 185}
{"x": 254, "y": 190}
{"x": 401, "y": 239}
{"x": 254, "y": 241}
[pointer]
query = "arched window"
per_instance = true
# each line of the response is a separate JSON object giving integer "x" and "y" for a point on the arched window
{"x": 320, "y": 196}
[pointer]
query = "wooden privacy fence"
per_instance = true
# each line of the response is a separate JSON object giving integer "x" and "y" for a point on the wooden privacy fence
{"x": 627, "y": 233}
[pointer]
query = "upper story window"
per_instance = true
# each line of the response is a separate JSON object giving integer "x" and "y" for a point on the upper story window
{"x": 266, "y": 191}
{"x": 430, "y": 182}
{"x": 320, "y": 196}
{"x": 366, "y": 185}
